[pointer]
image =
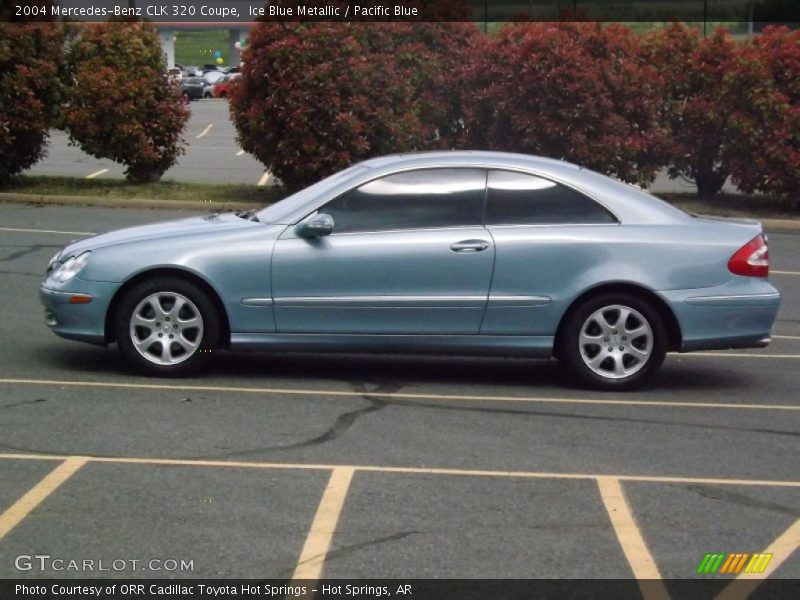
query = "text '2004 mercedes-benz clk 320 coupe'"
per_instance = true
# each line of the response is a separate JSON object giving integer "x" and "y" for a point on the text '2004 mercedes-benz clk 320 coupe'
{"x": 460, "y": 253}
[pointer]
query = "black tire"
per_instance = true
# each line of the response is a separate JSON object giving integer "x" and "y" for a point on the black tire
{"x": 615, "y": 354}
{"x": 192, "y": 341}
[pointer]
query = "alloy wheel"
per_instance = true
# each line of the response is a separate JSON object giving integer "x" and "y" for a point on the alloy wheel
{"x": 166, "y": 328}
{"x": 615, "y": 341}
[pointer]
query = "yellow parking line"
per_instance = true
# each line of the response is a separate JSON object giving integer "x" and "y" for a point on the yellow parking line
{"x": 264, "y": 178}
{"x": 631, "y": 540}
{"x": 771, "y": 272}
{"x": 315, "y": 549}
{"x": 742, "y": 355}
{"x": 409, "y": 470}
{"x": 205, "y": 131}
{"x": 786, "y": 337}
{"x": 96, "y": 173}
{"x": 401, "y": 395}
{"x": 781, "y": 549}
{"x": 22, "y": 507}
{"x": 46, "y": 231}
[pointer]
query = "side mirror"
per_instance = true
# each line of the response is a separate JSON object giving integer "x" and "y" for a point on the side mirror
{"x": 315, "y": 226}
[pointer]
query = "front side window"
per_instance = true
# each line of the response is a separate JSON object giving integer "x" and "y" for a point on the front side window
{"x": 421, "y": 199}
{"x": 521, "y": 199}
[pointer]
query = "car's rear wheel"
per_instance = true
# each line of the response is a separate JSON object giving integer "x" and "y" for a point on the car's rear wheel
{"x": 166, "y": 327}
{"x": 614, "y": 341}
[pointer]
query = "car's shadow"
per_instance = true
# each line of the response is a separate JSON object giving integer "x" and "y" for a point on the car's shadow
{"x": 262, "y": 368}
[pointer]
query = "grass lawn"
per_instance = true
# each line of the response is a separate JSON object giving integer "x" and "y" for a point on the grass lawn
{"x": 162, "y": 190}
{"x": 754, "y": 206}
{"x": 197, "y": 47}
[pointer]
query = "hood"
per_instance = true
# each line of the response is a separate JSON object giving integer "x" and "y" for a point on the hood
{"x": 167, "y": 229}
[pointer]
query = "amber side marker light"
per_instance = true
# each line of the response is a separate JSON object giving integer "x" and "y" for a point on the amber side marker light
{"x": 80, "y": 299}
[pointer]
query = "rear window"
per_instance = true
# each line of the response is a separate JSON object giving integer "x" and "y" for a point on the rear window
{"x": 522, "y": 199}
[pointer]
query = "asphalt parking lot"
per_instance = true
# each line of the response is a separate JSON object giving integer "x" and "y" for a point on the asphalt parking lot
{"x": 213, "y": 156}
{"x": 355, "y": 466}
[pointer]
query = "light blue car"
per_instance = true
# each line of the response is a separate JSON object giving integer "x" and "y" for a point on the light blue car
{"x": 459, "y": 253}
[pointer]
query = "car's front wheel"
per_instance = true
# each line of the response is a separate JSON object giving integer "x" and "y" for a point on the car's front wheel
{"x": 166, "y": 327}
{"x": 614, "y": 341}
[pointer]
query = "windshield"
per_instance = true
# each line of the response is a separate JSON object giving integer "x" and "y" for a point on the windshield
{"x": 280, "y": 211}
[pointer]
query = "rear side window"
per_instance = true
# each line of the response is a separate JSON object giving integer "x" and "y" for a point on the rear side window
{"x": 422, "y": 199}
{"x": 520, "y": 199}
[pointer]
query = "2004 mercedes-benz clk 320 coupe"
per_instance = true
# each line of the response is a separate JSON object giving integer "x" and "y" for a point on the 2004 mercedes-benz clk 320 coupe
{"x": 451, "y": 252}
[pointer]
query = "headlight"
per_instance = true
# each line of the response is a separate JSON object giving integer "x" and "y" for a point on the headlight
{"x": 71, "y": 267}
{"x": 51, "y": 265}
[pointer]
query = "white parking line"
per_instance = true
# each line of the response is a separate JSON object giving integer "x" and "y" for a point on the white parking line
{"x": 205, "y": 131}
{"x": 786, "y": 337}
{"x": 96, "y": 173}
{"x": 264, "y": 178}
{"x": 784, "y": 272}
{"x": 240, "y": 153}
{"x": 46, "y": 231}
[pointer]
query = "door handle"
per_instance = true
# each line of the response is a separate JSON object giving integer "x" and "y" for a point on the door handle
{"x": 470, "y": 246}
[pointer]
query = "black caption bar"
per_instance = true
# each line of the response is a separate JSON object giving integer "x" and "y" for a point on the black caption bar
{"x": 247, "y": 11}
{"x": 364, "y": 589}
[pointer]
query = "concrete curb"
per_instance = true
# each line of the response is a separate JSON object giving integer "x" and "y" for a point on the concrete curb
{"x": 43, "y": 199}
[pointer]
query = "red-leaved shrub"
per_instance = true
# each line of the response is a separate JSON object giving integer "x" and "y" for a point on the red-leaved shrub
{"x": 121, "y": 105}
{"x": 716, "y": 96}
{"x": 314, "y": 98}
{"x": 576, "y": 91}
{"x": 31, "y": 57}
{"x": 770, "y": 162}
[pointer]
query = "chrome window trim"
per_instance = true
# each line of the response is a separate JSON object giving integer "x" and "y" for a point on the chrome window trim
{"x": 614, "y": 224}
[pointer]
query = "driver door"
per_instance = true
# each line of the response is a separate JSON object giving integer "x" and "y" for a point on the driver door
{"x": 408, "y": 254}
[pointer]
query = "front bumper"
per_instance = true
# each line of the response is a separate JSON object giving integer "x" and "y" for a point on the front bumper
{"x": 736, "y": 315}
{"x": 85, "y": 320}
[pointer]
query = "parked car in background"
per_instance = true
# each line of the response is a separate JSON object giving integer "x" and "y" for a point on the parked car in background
{"x": 476, "y": 253}
{"x": 193, "y": 87}
{"x": 213, "y": 77}
{"x": 190, "y": 71}
{"x": 222, "y": 88}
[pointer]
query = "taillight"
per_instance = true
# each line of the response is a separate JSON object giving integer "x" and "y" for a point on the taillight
{"x": 752, "y": 259}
